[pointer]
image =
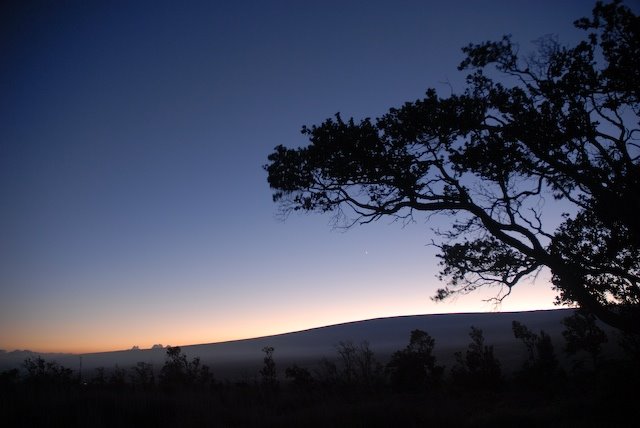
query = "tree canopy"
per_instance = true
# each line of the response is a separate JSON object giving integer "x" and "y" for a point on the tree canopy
{"x": 559, "y": 124}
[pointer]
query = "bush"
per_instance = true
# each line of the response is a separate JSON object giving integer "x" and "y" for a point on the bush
{"x": 478, "y": 367}
{"x": 46, "y": 373}
{"x": 268, "y": 372}
{"x": 414, "y": 368}
{"x": 178, "y": 372}
{"x": 300, "y": 376}
{"x": 118, "y": 378}
{"x": 98, "y": 380}
{"x": 541, "y": 364}
{"x": 359, "y": 366}
{"x": 583, "y": 335}
{"x": 142, "y": 376}
{"x": 326, "y": 373}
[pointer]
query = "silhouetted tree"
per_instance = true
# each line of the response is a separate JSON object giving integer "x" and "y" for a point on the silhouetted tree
{"x": 300, "y": 376}
{"x": 142, "y": 375}
{"x": 200, "y": 374}
{"x": 369, "y": 372}
{"x": 582, "y": 334}
{"x": 347, "y": 357}
{"x": 326, "y": 372}
{"x": 173, "y": 372}
{"x": 118, "y": 378}
{"x": 98, "y": 379}
{"x": 40, "y": 372}
{"x": 414, "y": 368}
{"x": 560, "y": 123}
{"x": 541, "y": 363}
{"x": 359, "y": 366}
{"x": 478, "y": 367}
{"x": 268, "y": 371}
{"x": 179, "y": 372}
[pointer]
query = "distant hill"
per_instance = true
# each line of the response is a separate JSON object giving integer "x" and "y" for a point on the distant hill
{"x": 243, "y": 358}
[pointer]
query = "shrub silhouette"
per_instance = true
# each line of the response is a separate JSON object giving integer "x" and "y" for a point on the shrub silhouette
{"x": 369, "y": 371}
{"x": 268, "y": 371}
{"x": 359, "y": 366}
{"x": 98, "y": 380}
{"x": 118, "y": 378}
{"x": 46, "y": 373}
{"x": 414, "y": 368}
{"x": 347, "y": 357}
{"x": 478, "y": 367}
{"x": 582, "y": 334}
{"x": 326, "y": 373}
{"x": 178, "y": 372}
{"x": 142, "y": 376}
{"x": 199, "y": 375}
{"x": 327, "y": 400}
{"x": 300, "y": 376}
{"x": 541, "y": 363}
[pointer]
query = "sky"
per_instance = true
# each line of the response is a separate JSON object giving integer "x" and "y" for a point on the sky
{"x": 135, "y": 209}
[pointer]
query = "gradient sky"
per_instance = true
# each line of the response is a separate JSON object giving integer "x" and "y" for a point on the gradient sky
{"x": 134, "y": 207}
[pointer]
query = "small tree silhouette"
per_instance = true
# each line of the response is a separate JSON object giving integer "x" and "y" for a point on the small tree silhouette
{"x": 541, "y": 363}
{"x": 199, "y": 375}
{"x": 172, "y": 374}
{"x": 359, "y": 366}
{"x": 142, "y": 376}
{"x": 98, "y": 380}
{"x": 347, "y": 356}
{"x": 118, "y": 378}
{"x": 268, "y": 370}
{"x": 368, "y": 370}
{"x": 582, "y": 334}
{"x": 326, "y": 373}
{"x": 478, "y": 367}
{"x": 40, "y": 372}
{"x": 178, "y": 372}
{"x": 414, "y": 367}
{"x": 300, "y": 376}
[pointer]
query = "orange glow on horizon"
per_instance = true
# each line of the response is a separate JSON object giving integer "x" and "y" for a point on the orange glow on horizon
{"x": 204, "y": 319}
{"x": 201, "y": 333}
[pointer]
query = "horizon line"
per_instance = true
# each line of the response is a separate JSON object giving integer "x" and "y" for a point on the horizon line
{"x": 288, "y": 332}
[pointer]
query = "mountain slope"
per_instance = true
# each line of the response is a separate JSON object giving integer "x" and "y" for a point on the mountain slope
{"x": 242, "y": 358}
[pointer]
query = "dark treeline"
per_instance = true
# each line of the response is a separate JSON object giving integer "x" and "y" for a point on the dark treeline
{"x": 352, "y": 389}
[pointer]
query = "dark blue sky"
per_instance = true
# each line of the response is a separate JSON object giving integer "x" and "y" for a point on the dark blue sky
{"x": 132, "y": 136}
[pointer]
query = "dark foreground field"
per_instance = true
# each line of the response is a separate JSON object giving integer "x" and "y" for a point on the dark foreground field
{"x": 570, "y": 384}
{"x": 608, "y": 399}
